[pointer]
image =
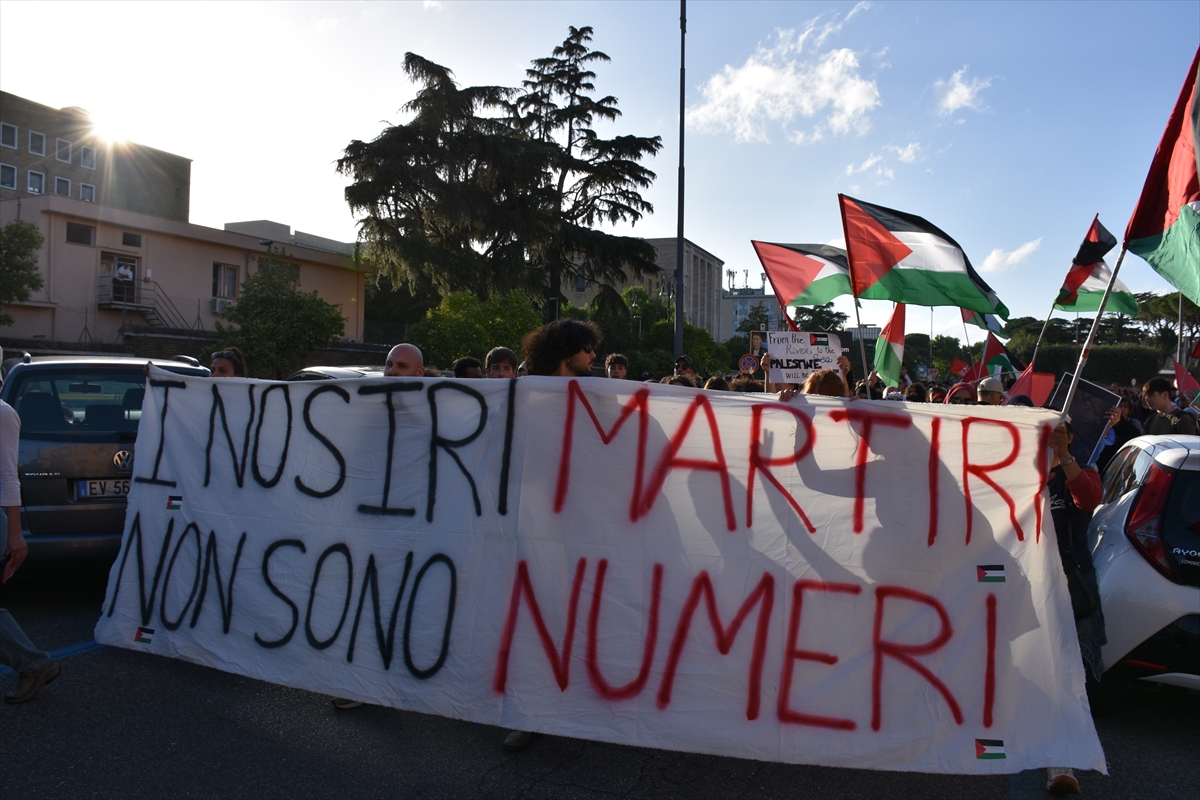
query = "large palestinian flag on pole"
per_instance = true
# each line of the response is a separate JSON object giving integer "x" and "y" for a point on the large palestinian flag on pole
{"x": 996, "y": 357}
{"x": 1088, "y": 277}
{"x": 889, "y": 351}
{"x": 804, "y": 274}
{"x": 1165, "y": 226}
{"x": 904, "y": 258}
{"x": 989, "y": 322}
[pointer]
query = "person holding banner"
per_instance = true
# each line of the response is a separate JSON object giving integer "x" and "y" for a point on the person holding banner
{"x": 404, "y": 361}
{"x": 228, "y": 363}
{"x": 565, "y": 348}
{"x": 1075, "y": 492}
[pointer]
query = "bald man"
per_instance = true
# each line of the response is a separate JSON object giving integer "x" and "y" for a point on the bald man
{"x": 404, "y": 361}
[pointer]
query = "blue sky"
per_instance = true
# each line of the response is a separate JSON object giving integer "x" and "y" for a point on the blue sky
{"x": 1008, "y": 125}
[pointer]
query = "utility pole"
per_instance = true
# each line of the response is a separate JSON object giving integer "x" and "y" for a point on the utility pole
{"x": 679, "y": 232}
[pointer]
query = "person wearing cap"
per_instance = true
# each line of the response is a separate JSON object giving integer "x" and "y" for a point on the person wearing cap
{"x": 991, "y": 392}
{"x": 685, "y": 367}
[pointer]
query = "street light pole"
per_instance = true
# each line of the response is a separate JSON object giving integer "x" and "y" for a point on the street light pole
{"x": 679, "y": 232}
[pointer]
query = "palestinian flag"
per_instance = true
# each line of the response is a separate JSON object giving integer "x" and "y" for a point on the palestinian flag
{"x": 144, "y": 635}
{"x": 174, "y": 502}
{"x": 988, "y": 749}
{"x": 889, "y": 352}
{"x": 989, "y": 322}
{"x": 990, "y": 573}
{"x": 1185, "y": 383}
{"x": 1088, "y": 277}
{"x": 995, "y": 354}
{"x": 804, "y": 274}
{"x": 1165, "y": 226}
{"x": 1037, "y": 386}
{"x": 900, "y": 257}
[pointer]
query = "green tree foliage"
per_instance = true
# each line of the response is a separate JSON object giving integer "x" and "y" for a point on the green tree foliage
{"x": 591, "y": 180}
{"x": 1106, "y": 362}
{"x": 756, "y": 320}
{"x": 490, "y": 189}
{"x": 19, "y": 276}
{"x": 389, "y": 310}
{"x": 819, "y": 318}
{"x": 463, "y": 325}
{"x": 916, "y": 349}
{"x": 945, "y": 350}
{"x": 275, "y": 324}
{"x": 451, "y": 198}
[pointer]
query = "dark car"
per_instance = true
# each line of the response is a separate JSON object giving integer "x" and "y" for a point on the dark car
{"x": 79, "y": 420}
{"x": 336, "y": 373}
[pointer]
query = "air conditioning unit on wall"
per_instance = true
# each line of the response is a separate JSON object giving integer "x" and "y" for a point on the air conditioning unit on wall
{"x": 220, "y": 305}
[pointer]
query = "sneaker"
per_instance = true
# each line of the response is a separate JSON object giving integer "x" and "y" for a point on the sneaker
{"x": 1061, "y": 780}
{"x": 345, "y": 703}
{"x": 516, "y": 741}
{"x": 31, "y": 681}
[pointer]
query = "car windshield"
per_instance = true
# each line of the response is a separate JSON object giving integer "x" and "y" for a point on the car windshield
{"x": 78, "y": 404}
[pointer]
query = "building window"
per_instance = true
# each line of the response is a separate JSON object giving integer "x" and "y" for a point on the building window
{"x": 225, "y": 281}
{"x": 8, "y": 135}
{"x": 87, "y": 157}
{"x": 8, "y": 176}
{"x": 62, "y": 150}
{"x": 124, "y": 271}
{"x": 77, "y": 233}
{"x": 131, "y": 239}
{"x": 87, "y": 192}
{"x": 37, "y": 143}
{"x": 62, "y": 186}
{"x": 37, "y": 183}
{"x": 580, "y": 283}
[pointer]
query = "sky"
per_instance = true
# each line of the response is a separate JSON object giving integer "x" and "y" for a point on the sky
{"x": 1008, "y": 125}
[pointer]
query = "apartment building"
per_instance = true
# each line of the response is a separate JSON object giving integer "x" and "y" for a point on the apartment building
{"x": 119, "y": 250}
{"x": 701, "y": 283}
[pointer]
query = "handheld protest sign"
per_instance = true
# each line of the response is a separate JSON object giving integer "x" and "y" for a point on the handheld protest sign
{"x": 797, "y": 354}
{"x": 748, "y": 364}
{"x": 1089, "y": 414}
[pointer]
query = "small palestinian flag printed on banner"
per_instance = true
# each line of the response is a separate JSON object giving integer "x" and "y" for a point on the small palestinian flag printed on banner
{"x": 818, "y": 340}
{"x": 143, "y": 635}
{"x": 989, "y": 749}
{"x": 990, "y": 573}
{"x": 174, "y": 502}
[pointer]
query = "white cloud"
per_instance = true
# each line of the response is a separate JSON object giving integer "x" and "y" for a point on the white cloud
{"x": 871, "y": 161}
{"x": 324, "y": 24}
{"x": 999, "y": 260}
{"x": 907, "y": 154}
{"x": 782, "y": 83}
{"x": 959, "y": 93}
{"x": 434, "y": 4}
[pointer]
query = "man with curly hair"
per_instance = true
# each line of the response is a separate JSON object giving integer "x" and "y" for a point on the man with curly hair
{"x": 565, "y": 347}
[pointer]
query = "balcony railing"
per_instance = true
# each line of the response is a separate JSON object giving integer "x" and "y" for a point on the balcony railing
{"x": 144, "y": 297}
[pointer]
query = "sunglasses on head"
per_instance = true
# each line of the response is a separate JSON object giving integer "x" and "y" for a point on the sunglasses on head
{"x": 226, "y": 354}
{"x": 961, "y": 401}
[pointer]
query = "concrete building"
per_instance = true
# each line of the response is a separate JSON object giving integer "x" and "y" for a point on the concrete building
{"x": 701, "y": 283}
{"x": 736, "y": 305}
{"x": 119, "y": 251}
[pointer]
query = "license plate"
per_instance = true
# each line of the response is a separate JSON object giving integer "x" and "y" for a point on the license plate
{"x": 89, "y": 490}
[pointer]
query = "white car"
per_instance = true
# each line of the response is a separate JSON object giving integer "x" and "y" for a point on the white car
{"x": 1145, "y": 541}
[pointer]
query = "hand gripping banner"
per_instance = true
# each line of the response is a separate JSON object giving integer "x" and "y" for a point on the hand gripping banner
{"x": 854, "y": 584}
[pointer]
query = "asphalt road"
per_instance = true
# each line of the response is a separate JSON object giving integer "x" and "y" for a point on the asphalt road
{"x": 121, "y": 723}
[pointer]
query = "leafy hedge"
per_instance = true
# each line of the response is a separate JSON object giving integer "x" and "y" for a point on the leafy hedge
{"x": 1108, "y": 363}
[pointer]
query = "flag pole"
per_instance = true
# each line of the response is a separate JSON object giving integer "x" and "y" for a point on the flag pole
{"x": 967, "y": 339}
{"x": 862, "y": 345}
{"x": 1179, "y": 339}
{"x": 1046, "y": 324}
{"x": 1087, "y": 344}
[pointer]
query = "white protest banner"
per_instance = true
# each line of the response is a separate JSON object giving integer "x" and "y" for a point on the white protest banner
{"x": 853, "y": 584}
{"x": 797, "y": 354}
